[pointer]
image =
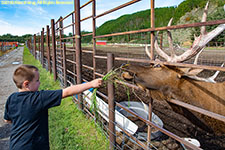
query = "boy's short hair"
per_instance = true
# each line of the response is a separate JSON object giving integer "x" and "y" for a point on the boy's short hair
{"x": 23, "y": 73}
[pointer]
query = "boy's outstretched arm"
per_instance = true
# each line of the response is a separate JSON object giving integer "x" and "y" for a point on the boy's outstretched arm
{"x": 79, "y": 88}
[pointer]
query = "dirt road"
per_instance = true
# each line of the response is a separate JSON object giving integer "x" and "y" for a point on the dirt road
{"x": 8, "y": 63}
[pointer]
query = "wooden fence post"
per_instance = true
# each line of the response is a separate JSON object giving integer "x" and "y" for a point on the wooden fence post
{"x": 53, "y": 49}
{"x": 111, "y": 103}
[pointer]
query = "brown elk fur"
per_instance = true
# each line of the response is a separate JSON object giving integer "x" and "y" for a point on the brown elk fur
{"x": 165, "y": 83}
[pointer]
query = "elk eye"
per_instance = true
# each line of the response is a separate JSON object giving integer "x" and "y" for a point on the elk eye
{"x": 156, "y": 66}
{"x": 127, "y": 76}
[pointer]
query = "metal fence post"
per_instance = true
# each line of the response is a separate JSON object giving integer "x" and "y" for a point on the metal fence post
{"x": 93, "y": 36}
{"x": 35, "y": 46}
{"x": 74, "y": 54}
{"x": 48, "y": 48}
{"x": 53, "y": 49}
{"x": 78, "y": 48}
{"x": 64, "y": 65}
{"x": 152, "y": 26}
{"x": 150, "y": 119}
{"x": 42, "y": 47}
{"x": 31, "y": 45}
{"x": 161, "y": 41}
{"x": 111, "y": 103}
{"x": 60, "y": 39}
{"x": 152, "y": 58}
{"x": 39, "y": 47}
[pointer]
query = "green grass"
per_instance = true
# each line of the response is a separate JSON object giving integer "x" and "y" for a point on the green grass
{"x": 69, "y": 129}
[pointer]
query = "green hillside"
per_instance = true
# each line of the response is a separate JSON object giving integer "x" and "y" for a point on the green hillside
{"x": 141, "y": 19}
{"x": 138, "y": 20}
{"x": 188, "y": 5}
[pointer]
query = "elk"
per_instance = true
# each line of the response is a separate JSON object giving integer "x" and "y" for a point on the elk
{"x": 169, "y": 82}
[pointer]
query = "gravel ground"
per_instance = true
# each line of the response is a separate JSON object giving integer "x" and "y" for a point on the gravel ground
{"x": 8, "y": 63}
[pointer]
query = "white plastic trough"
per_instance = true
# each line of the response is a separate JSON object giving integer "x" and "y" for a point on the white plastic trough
{"x": 121, "y": 115}
{"x": 120, "y": 119}
{"x": 142, "y": 110}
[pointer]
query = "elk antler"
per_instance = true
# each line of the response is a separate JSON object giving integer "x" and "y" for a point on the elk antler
{"x": 213, "y": 77}
{"x": 209, "y": 79}
{"x": 199, "y": 43}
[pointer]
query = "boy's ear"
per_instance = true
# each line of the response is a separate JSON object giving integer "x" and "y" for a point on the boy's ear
{"x": 25, "y": 83}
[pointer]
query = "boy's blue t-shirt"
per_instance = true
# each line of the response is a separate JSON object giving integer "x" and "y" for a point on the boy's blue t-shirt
{"x": 28, "y": 112}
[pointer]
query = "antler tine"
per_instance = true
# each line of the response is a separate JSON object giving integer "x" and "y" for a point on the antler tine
{"x": 160, "y": 51}
{"x": 197, "y": 56}
{"x": 213, "y": 77}
{"x": 201, "y": 41}
{"x": 170, "y": 40}
{"x": 147, "y": 51}
{"x": 204, "y": 17}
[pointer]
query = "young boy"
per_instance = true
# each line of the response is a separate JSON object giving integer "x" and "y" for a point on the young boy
{"x": 27, "y": 109}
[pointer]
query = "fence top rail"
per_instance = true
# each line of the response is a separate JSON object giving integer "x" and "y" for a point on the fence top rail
{"x": 56, "y": 23}
{"x": 117, "y": 8}
{"x": 86, "y": 4}
{"x": 88, "y": 34}
{"x": 67, "y": 16}
{"x": 86, "y": 18}
{"x": 182, "y": 26}
{"x": 66, "y": 38}
{"x": 197, "y": 109}
{"x": 68, "y": 26}
{"x": 214, "y": 68}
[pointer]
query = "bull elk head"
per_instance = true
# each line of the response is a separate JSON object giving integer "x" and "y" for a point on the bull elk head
{"x": 167, "y": 82}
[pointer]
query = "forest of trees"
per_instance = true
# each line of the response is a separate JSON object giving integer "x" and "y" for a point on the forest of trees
{"x": 140, "y": 20}
{"x": 14, "y": 38}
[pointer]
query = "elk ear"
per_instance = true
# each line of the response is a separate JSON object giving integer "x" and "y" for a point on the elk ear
{"x": 190, "y": 71}
{"x": 179, "y": 76}
{"x": 195, "y": 71}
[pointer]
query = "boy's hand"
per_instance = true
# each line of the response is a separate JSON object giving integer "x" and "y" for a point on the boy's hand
{"x": 96, "y": 83}
{"x": 7, "y": 121}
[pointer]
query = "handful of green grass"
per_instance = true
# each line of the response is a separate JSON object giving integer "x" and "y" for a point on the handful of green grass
{"x": 109, "y": 77}
{"x": 94, "y": 105}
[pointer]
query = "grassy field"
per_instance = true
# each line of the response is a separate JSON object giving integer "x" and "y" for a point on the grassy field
{"x": 69, "y": 129}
